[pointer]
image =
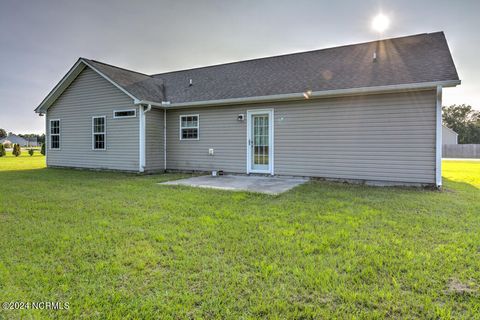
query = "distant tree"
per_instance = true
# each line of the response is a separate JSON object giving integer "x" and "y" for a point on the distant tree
{"x": 42, "y": 151}
{"x": 464, "y": 120}
{"x": 30, "y": 152}
{"x": 3, "y": 133}
{"x": 2, "y": 151}
{"x": 16, "y": 150}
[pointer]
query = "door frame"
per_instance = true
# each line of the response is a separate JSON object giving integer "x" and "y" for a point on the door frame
{"x": 271, "y": 131}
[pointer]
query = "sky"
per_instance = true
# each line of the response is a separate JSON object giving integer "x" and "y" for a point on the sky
{"x": 40, "y": 40}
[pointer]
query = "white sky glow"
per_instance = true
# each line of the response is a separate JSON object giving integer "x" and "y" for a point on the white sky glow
{"x": 380, "y": 23}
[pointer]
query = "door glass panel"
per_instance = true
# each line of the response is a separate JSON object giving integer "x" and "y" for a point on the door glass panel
{"x": 260, "y": 142}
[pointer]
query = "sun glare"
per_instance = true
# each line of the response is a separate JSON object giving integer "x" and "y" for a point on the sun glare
{"x": 380, "y": 23}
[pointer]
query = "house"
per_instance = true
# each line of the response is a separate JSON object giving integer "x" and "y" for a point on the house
{"x": 14, "y": 139}
{"x": 449, "y": 136}
{"x": 32, "y": 142}
{"x": 368, "y": 111}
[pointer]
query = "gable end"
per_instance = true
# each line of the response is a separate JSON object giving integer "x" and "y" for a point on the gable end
{"x": 67, "y": 80}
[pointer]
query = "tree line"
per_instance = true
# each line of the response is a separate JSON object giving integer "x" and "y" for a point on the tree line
{"x": 29, "y": 136}
{"x": 464, "y": 120}
{"x": 17, "y": 150}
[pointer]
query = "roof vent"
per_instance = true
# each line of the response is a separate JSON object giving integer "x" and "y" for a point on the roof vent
{"x": 374, "y": 56}
{"x": 190, "y": 82}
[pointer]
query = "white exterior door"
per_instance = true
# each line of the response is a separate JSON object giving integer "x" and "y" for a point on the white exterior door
{"x": 260, "y": 141}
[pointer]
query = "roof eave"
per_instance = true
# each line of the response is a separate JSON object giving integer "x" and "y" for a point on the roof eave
{"x": 313, "y": 95}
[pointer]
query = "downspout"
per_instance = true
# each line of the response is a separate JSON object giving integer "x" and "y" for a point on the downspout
{"x": 438, "y": 138}
{"x": 142, "y": 138}
{"x": 165, "y": 140}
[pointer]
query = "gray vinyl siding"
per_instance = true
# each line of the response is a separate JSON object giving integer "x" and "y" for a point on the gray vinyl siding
{"x": 87, "y": 96}
{"x": 388, "y": 137}
{"x": 154, "y": 140}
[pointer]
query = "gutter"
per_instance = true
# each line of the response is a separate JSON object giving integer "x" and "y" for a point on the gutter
{"x": 307, "y": 95}
{"x": 150, "y": 103}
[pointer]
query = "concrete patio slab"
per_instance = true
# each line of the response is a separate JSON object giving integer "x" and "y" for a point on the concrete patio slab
{"x": 261, "y": 184}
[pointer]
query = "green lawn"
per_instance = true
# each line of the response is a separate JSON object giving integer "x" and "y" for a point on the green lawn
{"x": 117, "y": 245}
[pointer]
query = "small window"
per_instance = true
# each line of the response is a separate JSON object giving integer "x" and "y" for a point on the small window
{"x": 124, "y": 113}
{"x": 54, "y": 134}
{"x": 99, "y": 133}
{"x": 189, "y": 125}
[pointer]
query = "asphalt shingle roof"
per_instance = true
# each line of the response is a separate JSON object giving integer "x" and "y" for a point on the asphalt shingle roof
{"x": 412, "y": 59}
{"x": 140, "y": 85}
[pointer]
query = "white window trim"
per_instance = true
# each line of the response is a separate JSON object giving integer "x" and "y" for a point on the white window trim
{"x": 124, "y": 117}
{"x": 104, "y": 133}
{"x": 197, "y": 127}
{"x": 50, "y": 134}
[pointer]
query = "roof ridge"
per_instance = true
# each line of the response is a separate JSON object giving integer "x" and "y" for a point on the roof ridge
{"x": 295, "y": 53}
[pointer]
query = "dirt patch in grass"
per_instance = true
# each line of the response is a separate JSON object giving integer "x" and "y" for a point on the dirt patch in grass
{"x": 455, "y": 286}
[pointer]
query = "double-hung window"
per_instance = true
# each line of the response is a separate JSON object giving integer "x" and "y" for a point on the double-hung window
{"x": 189, "y": 127}
{"x": 55, "y": 134}
{"x": 99, "y": 130}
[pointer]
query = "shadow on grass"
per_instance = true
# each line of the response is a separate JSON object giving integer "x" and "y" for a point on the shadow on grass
{"x": 72, "y": 176}
{"x": 323, "y": 190}
{"x": 312, "y": 188}
{"x": 63, "y": 173}
{"x": 452, "y": 185}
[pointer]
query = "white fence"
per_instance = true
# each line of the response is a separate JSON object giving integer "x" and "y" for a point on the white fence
{"x": 461, "y": 151}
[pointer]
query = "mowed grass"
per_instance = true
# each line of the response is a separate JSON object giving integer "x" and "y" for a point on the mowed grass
{"x": 116, "y": 245}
